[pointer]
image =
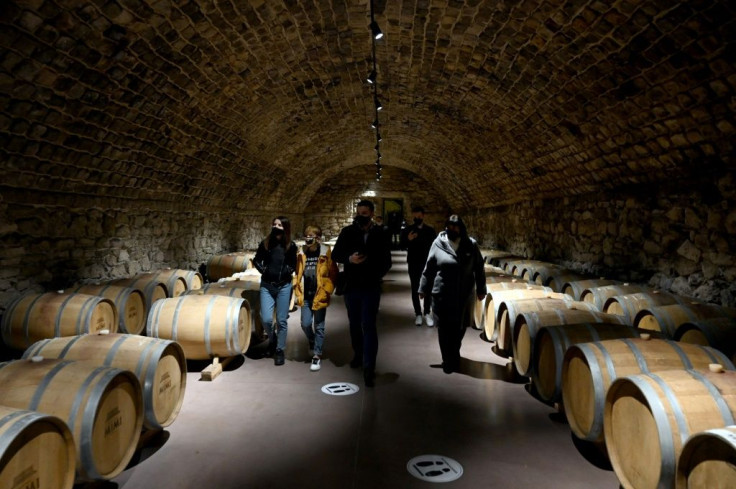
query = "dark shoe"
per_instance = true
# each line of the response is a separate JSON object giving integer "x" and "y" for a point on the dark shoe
{"x": 278, "y": 359}
{"x": 356, "y": 362}
{"x": 369, "y": 377}
{"x": 448, "y": 368}
{"x": 270, "y": 350}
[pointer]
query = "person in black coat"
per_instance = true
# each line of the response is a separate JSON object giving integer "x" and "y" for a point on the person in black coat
{"x": 417, "y": 239}
{"x": 365, "y": 252}
{"x": 454, "y": 276}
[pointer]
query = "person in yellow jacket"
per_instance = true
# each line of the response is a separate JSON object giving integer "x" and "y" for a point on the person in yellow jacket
{"x": 315, "y": 279}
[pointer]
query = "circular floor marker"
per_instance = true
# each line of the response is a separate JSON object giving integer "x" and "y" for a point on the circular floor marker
{"x": 434, "y": 468}
{"x": 340, "y": 389}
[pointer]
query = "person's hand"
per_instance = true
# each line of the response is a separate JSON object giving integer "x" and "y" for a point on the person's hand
{"x": 481, "y": 296}
{"x": 421, "y": 296}
{"x": 412, "y": 235}
{"x": 357, "y": 258}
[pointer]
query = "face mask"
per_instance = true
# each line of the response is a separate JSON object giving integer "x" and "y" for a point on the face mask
{"x": 418, "y": 221}
{"x": 452, "y": 235}
{"x": 309, "y": 241}
{"x": 276, "y": 232}
{"x": 362, "y": 221}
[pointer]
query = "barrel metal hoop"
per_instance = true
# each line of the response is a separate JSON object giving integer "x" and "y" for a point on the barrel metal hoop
{"x": 33, "y": 350}
{"x": 149, "y": 377}
{"x": 27, "y": 315}
{"x": 560, "y": 347}
{"x": 114, "y": 350}
{"x": 686, "y": 363}
{"x": 725, "y": 411}
{"x": 207, "y": 319}
{"x": 68, "y": 346}
{"x": 175, "y": 320}
{"x": 640, "y": 360}
{"x": 666, "y": 438}
{"x": 154, "y": 316}
{"x": 676, "y": 408}
{"x": 10, "y": 435}
{"x": 7, "y": 321}
{"x": 93, "y": 402}
{"x": 89, "y": 306}
{"x": 599, "y": 392}
{"x": 36, "y": 399}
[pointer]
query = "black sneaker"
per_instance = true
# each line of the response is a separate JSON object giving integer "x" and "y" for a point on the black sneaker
{"x": 278, "y": 358}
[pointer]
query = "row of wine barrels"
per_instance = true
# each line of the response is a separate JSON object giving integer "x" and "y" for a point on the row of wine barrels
{"x": 130, "y": 303}
{"x": 153, "y": 290}
{"x": 36, "y": 450}
{"x": 204, "y": 325}
{"x": 509, "y": 310}
{"x": 529, "y": 322}
{"x": 497, "y": 292}
{"x": 551, "y": 343}
{"x": 159, "y": 365}
{"x": 221, "y": 266}
{"x": 650, "y": 416}
{"x": 493, "y": 257}
{"x": 668, "y": 318}
{"x": 492, "y": 278}
{"x": 708, "y": 459}
{"x": 631, "y": 305}
{"x": 250, "y": 286}
{"x": 600, "y": 294}
{"x": 35, "y": 317}
{"x": 101, "y": 406}
{"x": 590, "y": 368}
{"x": 720, "y": 333}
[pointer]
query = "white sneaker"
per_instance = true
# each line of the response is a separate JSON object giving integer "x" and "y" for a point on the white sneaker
{"x": 418, "y": 320}
{"x": 429, "y": 319}
{"x": 315, "y": 364}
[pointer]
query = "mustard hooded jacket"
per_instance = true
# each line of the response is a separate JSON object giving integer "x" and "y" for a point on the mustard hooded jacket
{"x": 326, "y": 277}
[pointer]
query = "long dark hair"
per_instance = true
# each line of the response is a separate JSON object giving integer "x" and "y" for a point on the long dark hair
{"x": 287, "y": 232}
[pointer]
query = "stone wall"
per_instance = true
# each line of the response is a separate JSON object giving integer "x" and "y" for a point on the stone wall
{"x": 677, "y": 240}
{"x": 51, "y": 247}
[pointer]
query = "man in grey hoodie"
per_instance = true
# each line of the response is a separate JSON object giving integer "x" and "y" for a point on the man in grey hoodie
{"x": 454, "y": 275}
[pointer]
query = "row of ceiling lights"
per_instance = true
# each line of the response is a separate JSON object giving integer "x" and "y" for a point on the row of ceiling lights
{"x": 376, "y": 34}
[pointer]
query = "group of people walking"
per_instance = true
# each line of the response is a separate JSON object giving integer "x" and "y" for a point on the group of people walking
{"x": 446, "y": 274}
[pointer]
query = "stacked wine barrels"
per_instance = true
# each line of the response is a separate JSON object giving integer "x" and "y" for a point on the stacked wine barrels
{"x": 101, "y": 406}
{"x": 130, "y": 303}
{"x": 223, "y": 266}
{"x": 708, "y": 459}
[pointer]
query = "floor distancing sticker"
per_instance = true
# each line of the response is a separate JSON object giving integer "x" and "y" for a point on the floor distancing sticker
{"x": 340, "y": 389}
{"x": 434, "y": 468}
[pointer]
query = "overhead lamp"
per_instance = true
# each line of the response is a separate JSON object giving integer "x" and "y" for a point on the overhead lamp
{"x": 372, "y": 77}
{"x": 379, "y": 156}
{"x": 378, "y": 103}
{"x": 377, "y": 147}
{"x": 375, "y": 124}
{"x": 378, "y": 137}
{"x": 377, "y": 34}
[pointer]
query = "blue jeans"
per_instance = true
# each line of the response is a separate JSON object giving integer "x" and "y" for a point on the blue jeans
{"x": 316, "y": 335}
{"x": 362, "y": 306}
{"x": 278, "y": 298}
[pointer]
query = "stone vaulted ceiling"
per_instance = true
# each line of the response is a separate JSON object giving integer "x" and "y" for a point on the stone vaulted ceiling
{"x": 265, "y": 100}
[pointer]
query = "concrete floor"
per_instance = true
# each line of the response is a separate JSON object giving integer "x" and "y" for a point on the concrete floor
{"x": 260, "y": 426}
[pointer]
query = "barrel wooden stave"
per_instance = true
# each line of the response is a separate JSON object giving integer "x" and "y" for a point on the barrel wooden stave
{"x": 204, "y": 325}
{"x": 648, "y": 418}
{"x": 130, "y": 303}
{"x": 176, "y": 283}
{"x": 159, "y": 365}
{"x": 153, "y": 290}
{"x": 101, "y": 406}
{"x": 36, "y": 450}
{"x": 529, "y": 322}
{"x": 35, "y": 317}
{"x": 708, "y": 460}
{"x": 590, "y": 368}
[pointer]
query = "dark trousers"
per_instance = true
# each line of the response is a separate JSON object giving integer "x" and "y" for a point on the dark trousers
{"x": 451, "y": 325}
{"x": 362, "y": 306}
{"x": 415, "y": 275}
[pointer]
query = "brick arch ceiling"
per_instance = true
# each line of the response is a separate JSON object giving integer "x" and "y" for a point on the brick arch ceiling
{"x": 498, "y": 100}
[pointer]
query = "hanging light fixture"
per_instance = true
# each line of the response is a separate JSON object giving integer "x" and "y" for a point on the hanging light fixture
{"x": 376, "y": 31}
{"x": 373, "y": 81}
{"x": 377, "y": 103}
{"x": 372, "y": 77}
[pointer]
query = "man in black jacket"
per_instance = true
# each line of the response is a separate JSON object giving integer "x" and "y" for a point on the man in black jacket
{"x": 417, "y": 239}
{"x": 365, "y": 252}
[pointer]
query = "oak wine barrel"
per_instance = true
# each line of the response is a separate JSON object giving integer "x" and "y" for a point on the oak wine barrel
{"x": 159, "y": 365}
{"x": 649, "y": 417}
{"x": 600, "y": 294}
{"x": 708, "y": 459}
{"x": 101, "y": 406}
{"x": 36, "y": 451}
{"x": 575, "y": 288}
{"x": 497, "y": 292}
{"x": 668, "y": 318}
{"x": 153, "y": 290}
{"x": 36, "y": 317}
{"x": 588, "y": 369}
{"x": 720, "y": 333}
{"x": 630, "y": 305}
{"x": 221, "y": 266}
{"x": 204, "y": 325}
